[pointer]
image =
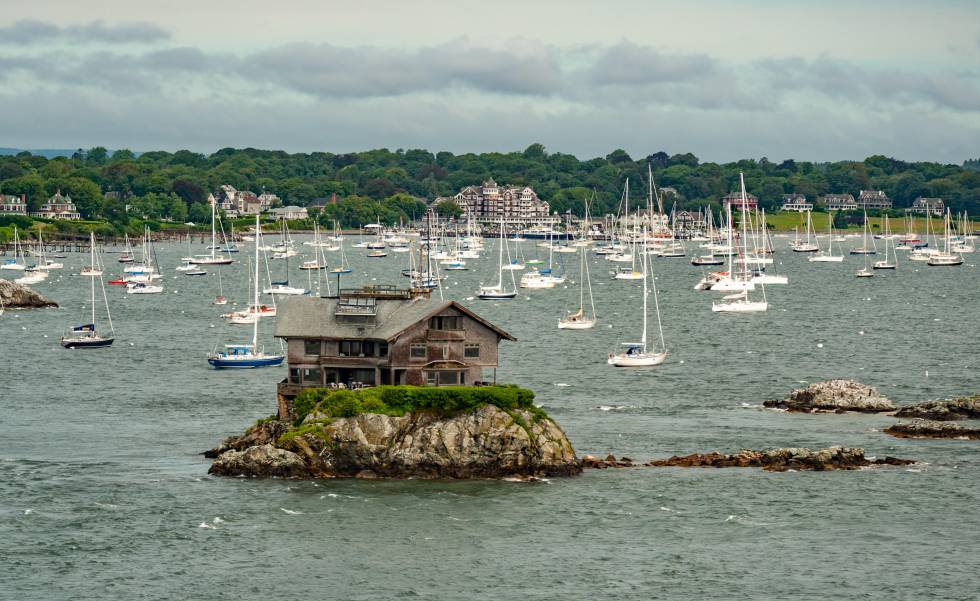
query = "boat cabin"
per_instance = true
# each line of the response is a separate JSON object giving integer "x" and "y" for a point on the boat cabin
{"x": 382, "y": 335}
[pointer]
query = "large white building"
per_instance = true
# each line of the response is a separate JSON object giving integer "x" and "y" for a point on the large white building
{"x": 242, "y": 202}
{"x": 490, "y": 202}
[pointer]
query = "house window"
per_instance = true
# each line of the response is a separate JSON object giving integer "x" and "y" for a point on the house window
{"x": 311, "y": 347}
{"x": 382, "y": 349}
{"x": 445, "y": 351}
{"x": 350, "y": 348}
{"x": 311, "y": 375}
{"x": 449, "y": 377}
{"x": 294, "y": 375}
{"x": 446, "y": 322}
{"x": 417, "y": 350}
{"x": 472, "y": 351}
{"x": 431, "y": 378}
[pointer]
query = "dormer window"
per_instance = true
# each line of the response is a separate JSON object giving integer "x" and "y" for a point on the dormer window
{"x": 446, "y": 322}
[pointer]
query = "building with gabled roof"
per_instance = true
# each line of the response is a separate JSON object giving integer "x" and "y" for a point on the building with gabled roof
{"x": 381, "y": 335}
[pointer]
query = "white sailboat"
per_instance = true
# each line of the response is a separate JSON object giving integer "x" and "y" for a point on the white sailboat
{"x": 946, "y": 258}
{"x": 13, "y": 264}
{"x": 498, "y": 291}
{"x": 808, "y": 245}
{"x": 637, "y": 354}
{"x": 579, "y": 320}
{"x": 829, "y": 256}
{"x": 740, "y": 301}
{"x": 213, "y": 258}
{"x": 891, "y": 260}
{"x": 864, "y": 272}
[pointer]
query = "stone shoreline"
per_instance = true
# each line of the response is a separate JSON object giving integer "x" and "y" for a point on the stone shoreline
{"x": 773, "y": 460}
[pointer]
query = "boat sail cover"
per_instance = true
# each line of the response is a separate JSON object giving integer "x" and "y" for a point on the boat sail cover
{"x": 88, "y": 327}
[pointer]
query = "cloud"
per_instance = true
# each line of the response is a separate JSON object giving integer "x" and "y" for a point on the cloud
{"x": 30, "y": 31}
{"x": 628, "y": 63}
{"x": 325, "y": 70}
{"x": 862, "y": 86}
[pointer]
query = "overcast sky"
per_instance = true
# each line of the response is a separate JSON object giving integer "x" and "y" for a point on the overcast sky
{"x": 821, "y": 80}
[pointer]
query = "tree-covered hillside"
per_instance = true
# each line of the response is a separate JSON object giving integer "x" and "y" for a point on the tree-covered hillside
{"x": 386, "y": 184}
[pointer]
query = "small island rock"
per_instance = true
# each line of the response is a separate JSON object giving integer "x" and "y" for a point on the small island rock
{"x": 486, "y": 442}
{"x": 944, "y": 409}
{"x": 921, "y": 428}
{"x": 776, "y": 460}
{"x": 836, "y": 396}
{"x": 18, "y": 296}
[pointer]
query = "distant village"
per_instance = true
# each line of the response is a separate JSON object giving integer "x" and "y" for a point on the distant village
{"x": 491, "y": 203}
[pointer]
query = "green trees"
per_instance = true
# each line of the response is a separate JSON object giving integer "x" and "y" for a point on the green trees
{"x": 391, "y": 185}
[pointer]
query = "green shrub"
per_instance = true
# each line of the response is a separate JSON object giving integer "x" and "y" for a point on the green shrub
{"x": 399, "y": 400}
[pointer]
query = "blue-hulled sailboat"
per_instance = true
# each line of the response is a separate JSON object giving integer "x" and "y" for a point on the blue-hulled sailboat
{"x": 245, "y": 356}
{"x": 86, "y": 335}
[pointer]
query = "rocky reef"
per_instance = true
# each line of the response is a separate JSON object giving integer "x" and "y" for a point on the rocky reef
{"x": 944, "y": 409}
{"x": 17, "y": 296}
{"x": 921, "y": 428}
{"x": 834, "y": 396}
{"x": 483, "y": 442}
{"x": 776, "y": 460}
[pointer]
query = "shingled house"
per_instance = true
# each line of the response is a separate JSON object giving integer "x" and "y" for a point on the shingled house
{"x": 382, "y": 335}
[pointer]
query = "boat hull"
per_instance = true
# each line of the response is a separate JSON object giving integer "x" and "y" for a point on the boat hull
{"x": 624, "y": 360}
{"x": 87, "y": 342}
{"x": 740, "y": 307}
{"x": 228, "y": 363}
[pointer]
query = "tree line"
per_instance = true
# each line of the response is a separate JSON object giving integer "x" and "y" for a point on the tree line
{"x": 397, "y": 185}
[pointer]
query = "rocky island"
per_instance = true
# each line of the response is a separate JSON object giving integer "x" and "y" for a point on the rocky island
{"x": 944, "y": 409}
{"x": 834, "y": 396}
{"x": 921, "y": 428}
{"x": 403, "y": 432}
{"x": 17, "y": 296}
{"x": 775, "y": 460}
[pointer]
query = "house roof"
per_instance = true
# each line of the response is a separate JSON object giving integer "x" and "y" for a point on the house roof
{"x": 315, "y": 317}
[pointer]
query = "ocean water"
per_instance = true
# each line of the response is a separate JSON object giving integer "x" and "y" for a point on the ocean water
{"x": 103, "y": 493}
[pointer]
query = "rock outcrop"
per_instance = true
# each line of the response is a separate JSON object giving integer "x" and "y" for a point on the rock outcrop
{"x": 777, "y": 460}
{"x": 837, "y": 396}
{"x": 944, "y": 409}
{"x": 486, "y": 442}
{"x": 921, "y": 428}
{"x": 17, "y": 296}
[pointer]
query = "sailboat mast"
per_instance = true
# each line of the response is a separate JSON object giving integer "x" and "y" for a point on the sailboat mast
{"x": 643, "y": 340}
{"x": 255, "y": 296}
{"x": 500, "y": 256}
{"x": 92, "y": 267}
{"x": 213, "y": 244}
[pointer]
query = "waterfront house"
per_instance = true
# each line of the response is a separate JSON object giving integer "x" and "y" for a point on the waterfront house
{"x": 839, "y": 202}
{"x": 929, "y": 205}
{"x": 242, "y": 202}
{"x": 873, "y": 199}
{"x": 796, "y": 202}
{"x": 11, "y": 204}
{"x": 490, "y": 202}
{"x": 735, "y": 201}
{"x": 59, "y": 206}
{"x": 290, "y": 212}
{"x": 382, "y": 335}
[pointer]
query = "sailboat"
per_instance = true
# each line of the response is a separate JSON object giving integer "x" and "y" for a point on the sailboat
{"x": 141, "y": 280}
{"x": 13, "y": 264}
{"x": 946, "y": 258}
{"x": 86, "y": 335}
{"x": 829, "y": 256}
{"x": 127, "y": 256}
{"x": 889, "y": 239}
{"x": 314, "y": 263}
{"x": 864, "y": 249}
{"x": 344, "y": 264}
{"x": 864, "y": 272}
{"x": 740, "y": 302}
{"x": 220, "y": 299}
{"x": 578, "y": 320}
{"x": 498, "y": 291}
{"x": 242, "y": 356}
{"x": 636, "y": 354}
{"x": 806, "y": 246}
{"x": 213, "y": 259}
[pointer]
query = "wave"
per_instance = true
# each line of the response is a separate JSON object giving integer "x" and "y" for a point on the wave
{"x": 290, "y": 511}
